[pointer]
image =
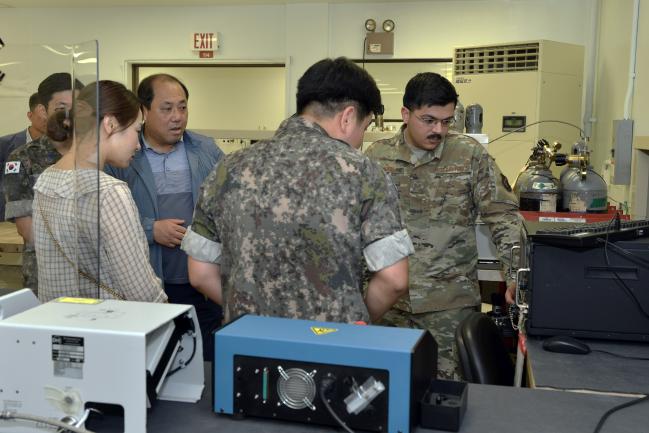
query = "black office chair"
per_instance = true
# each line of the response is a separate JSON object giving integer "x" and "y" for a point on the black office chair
{"x": 482, "y": 352}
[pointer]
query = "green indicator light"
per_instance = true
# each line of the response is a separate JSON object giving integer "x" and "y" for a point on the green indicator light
{"x": 264, "y": 385}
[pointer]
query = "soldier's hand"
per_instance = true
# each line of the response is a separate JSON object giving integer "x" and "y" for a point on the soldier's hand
{"x": 510, "y": 294}
{"x": 169, "y": 232}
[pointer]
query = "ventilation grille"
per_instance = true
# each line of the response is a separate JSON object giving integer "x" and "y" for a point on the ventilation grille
{"x": 296, "y": 388}
{"x": 503, "y": 58}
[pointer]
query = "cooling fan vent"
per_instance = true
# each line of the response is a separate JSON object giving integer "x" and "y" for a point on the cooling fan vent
{"x": 296, "y": 388}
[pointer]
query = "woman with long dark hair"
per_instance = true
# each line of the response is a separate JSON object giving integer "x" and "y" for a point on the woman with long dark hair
{"x": 87, "y": 233}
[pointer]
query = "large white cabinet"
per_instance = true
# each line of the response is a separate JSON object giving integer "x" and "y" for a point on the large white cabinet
{"x": 540, "y": 80}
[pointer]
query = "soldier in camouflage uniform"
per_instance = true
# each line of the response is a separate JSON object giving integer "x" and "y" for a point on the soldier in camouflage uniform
{"x": 445, "y": 182}
{"x": 284, "y": 224}
{"x": 27, "y": 162}
{"x": 10, "y": 142}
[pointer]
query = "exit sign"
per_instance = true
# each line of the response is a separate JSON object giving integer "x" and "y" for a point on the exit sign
{"x": 205, "y": 41}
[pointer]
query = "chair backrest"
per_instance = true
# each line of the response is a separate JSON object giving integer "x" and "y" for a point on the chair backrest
{"x": 482, "y": 352}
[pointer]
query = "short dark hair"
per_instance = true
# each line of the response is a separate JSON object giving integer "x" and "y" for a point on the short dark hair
{"x": 145, "y": 88}
{"x": 428, "y": 88}
{"x": 57, "y": 82}
{"x": 331, "y": 82}
{"x": 33, "y": 101}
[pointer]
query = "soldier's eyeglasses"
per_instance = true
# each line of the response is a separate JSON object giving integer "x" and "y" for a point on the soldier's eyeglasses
{"x": 431, "y": 121}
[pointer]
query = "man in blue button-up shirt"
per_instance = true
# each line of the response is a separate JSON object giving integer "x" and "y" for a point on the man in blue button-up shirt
{"x": 165, "y": 179}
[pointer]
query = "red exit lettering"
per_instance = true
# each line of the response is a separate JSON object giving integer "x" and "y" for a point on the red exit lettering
{"x": 203, "y": 41}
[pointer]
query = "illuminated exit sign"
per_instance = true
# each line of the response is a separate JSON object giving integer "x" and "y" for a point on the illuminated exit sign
{"x": 205, "y": 44}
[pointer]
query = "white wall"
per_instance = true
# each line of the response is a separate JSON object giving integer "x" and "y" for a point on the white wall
{"x": 640, "y": 113}
{"x": 239, "y": 98}
{"x": 612, "y": 67}
{"x": 434, "y": 28}
{"x": 612, "y": 81}
{"x": 299, "y": 34}
{"x": 307, "y": 41}
{"x": 640, "y": 110}
{"x": 127, "y": 34}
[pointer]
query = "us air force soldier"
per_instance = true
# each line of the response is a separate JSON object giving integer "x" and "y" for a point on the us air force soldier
{"x": 28, "y": 161}
{"x": 281, "y": 227}
{"x": 445, "y": 181}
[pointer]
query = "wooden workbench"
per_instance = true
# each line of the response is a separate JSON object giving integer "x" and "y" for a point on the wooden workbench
{"x": 11, "y": 256}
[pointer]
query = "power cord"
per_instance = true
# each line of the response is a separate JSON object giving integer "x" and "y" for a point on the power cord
{"x": 628, "y": 254}
{"x": 616, "y": 219}
{"x": 183, "y": 364}
{"x": 2, "y": 74}
{"x": 364, "y": 48}
{"x": 325, "y": 385}
{"x": 612, "y": 410}
{"x": 9, "y": 415}
{"x": 637, "y": 358}
{"x": 581, "y": 131}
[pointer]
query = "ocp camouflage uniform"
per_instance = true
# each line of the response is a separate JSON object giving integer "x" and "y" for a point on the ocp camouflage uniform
{"x": 442, "y": 194}
{"x": 34, "y": 158}
{"x": 289, "y": 221}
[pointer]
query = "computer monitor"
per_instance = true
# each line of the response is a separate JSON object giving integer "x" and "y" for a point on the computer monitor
{"x": 600, "y": 291}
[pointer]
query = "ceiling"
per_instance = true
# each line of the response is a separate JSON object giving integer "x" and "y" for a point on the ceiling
{"x": 154, "y": 3}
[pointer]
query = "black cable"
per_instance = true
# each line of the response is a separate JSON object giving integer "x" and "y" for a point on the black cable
{"x": 545, "y": 176}
{"x": 581, "y": 131}
{"x": 612, "y": 410}
{"x": 629, "y": 292}
{"x": 628, "y": 254}
{"x": 637, "y": 358}
{"x": 2, "y": 74}
{"x": 324, "y": 387}
{"x": 627, "y": 289}
{"x": 599, "y": 175}
{"x": 186, "y": 363}
{"x": 364, "y": 48}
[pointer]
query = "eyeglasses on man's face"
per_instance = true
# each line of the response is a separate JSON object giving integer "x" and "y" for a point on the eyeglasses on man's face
{"x": 432, "y": 121}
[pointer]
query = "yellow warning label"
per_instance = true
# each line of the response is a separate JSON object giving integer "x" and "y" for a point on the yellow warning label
{"x": 322, "y": 331}
{"x": 88, "y": 301}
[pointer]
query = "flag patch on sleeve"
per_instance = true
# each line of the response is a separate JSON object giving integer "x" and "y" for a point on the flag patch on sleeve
{"x": 12, "y": 167}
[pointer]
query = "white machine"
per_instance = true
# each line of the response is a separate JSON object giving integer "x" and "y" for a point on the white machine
{"x": 64, "y": 357}
{"x": 518, "y": 84}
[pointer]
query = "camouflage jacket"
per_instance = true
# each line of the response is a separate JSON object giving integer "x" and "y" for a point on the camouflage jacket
{"x": 292, "y": 218}
{"x": 442, "y": 195}
{"x": 21, "y": 171}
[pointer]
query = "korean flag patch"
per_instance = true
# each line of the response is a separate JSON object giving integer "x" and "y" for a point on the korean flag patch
{"x": 12, "y": 167}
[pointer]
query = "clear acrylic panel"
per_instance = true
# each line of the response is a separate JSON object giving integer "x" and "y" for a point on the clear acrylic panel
{"x": 87, "y": 166}
{"x": 60, "y": 233}
{"x": 24, "y": 66}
